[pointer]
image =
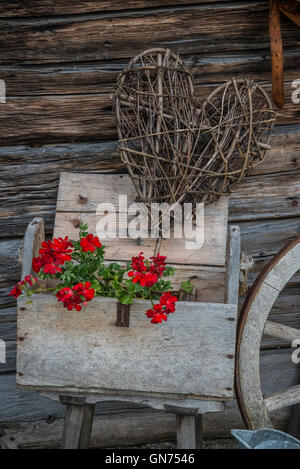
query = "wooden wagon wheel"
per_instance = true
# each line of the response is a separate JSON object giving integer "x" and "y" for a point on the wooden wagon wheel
{"x": 252, "y": 324}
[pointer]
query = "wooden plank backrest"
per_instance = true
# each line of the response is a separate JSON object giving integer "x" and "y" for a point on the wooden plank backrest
{"x": 78, "y": 199}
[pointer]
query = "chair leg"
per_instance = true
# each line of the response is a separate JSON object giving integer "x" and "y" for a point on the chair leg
{"x": 87, "y": 424}
{"x": 189, "y": 431}
{"x": 78, "y": 422}
{"x": 72, "y": 426}
{"x": 188, "y": 426}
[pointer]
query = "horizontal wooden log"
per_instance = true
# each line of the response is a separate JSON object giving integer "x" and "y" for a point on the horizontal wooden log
{"x": 101, "y": 77}
{"x": 284, "y": 154}
{"x": 5, "y": 300}
{"x": 33, "y": 189}
{"x": 56, "y": 119}
{"x": 9, "y": 267}
{"x": 17, "y": 8}
{"x": 266, "y": 197}
{"x": 267, "y": 237}
{"x": 8, "y": 314}
{"x": 207, "y": 28}
{"x": 51, "y": 119}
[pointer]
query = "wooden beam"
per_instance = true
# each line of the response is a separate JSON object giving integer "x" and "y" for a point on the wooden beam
{"x": 233, "y": 265}
{"x": 283, "y": 399}
{"x": 280, "y": 331}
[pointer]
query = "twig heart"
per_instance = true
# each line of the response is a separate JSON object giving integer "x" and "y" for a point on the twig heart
{"x": 177, "y": 149}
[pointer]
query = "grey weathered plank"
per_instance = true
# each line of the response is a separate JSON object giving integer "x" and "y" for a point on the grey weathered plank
{"x": 282, "y": 399}
{"x": 280, "y": 331}
{"x": 87, "y": 426}
{"x": 233, "y": 265}
{"x": 80, "y": 194}
{"x": 33, "y": 238}
{"x": 72, "y": 426}
{"x": 185, "y": 406}
{"x": 66, "y": 341}
{"x": 189, "y": 431}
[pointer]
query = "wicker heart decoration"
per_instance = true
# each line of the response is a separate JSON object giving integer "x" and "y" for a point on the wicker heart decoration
{"x": 177, "y": 149}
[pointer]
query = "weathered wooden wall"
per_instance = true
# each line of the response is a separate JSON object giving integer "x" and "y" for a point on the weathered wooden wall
{"x": 60, "y": 61}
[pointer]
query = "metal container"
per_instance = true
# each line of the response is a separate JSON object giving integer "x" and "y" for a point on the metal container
{"x": 265, "y": 438}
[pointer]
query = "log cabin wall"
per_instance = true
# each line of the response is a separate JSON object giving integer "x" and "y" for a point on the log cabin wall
{"x": 60, "y": 60}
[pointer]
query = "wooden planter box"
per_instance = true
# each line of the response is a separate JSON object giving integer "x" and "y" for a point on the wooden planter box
{"x": 190, "y": 356}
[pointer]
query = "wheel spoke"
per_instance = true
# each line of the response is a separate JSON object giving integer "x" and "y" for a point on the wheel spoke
{"x": 283, "y": 399}
{"x": 279, "y": 331}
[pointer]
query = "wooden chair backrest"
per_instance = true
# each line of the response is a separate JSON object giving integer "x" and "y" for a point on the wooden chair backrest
{"x": 78, "y": 199}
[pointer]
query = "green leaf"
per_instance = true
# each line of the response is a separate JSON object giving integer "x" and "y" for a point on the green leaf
{"x": 125, "y": 298}
{"x": 187, "y": 286}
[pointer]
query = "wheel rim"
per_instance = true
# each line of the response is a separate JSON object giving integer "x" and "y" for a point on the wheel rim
{"x": 252, "y": 322}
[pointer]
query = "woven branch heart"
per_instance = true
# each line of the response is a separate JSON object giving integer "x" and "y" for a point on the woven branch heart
{"x": 178, "y": 150}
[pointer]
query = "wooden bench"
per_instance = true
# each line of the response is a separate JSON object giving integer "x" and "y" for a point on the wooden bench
{"x": 185, "y": 366}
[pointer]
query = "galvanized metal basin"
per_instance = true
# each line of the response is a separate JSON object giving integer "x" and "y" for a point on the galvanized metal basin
{"x": 265, "y": 438}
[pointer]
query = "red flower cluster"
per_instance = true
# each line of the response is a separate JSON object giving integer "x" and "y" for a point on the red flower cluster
{"x": 90, "y": 243}
{"x": 144, "y": 273}
{"x": 165, "y": 306}
{"x": 75, "y": 296}
{"x": 52, "y": 255}
{"x": 17, "y": 290}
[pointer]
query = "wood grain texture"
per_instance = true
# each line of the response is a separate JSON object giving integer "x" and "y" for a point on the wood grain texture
{"x": 54, "y": 119}
{"x": 183, "y": 406}
{"x": 277, "y": 53}
{"x": 207, "y": 27}
{"x": 79, "y": 196}
{"x": 283, "y": 399}
{"x": 233, "y": 265}
{"x": 33, "y": 189}
{"x": 72, "y": 426}
{"x": 95, "y": 77}
{"x": 33, "y": 238}
{"x": 17, "y": 8}
{"x": 189, "y": 431}
{"x": 65, "y": 342}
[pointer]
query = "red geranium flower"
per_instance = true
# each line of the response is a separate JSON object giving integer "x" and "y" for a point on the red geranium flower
{"x": 37, "y": 264}
{"x": 168, "y": 300}
{"x": 138, "y": 264}
{"x": 52, "y": 254}
{"x": 165, "y": 306}
{"x": 90, "y": 243}
{"x": 72, "y": 297}
{"x": 16, "y": 291}
{"x": 51, "y": 268}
